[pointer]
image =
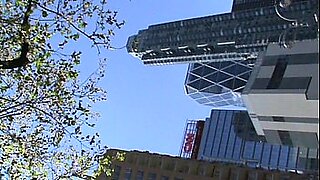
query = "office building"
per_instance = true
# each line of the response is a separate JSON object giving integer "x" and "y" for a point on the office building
{"x": 218, "y": 84}
{"x": 224, "y": 47}
{"x": 150, "y": 166}
{"x": 240, "y": 5}
{"x": 282, "y": 94}
{"x": 229, "y": 136}
{"x": 239, "y": 35}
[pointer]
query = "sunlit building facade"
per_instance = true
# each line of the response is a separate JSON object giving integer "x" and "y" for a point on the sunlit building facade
{"x": 282, "y": 94}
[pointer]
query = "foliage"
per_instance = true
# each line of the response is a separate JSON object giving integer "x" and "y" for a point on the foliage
{"x": 108, "y": 162}
{"x": 44, "y": 107}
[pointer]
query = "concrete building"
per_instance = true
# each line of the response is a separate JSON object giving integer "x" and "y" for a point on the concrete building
{"x": 149, "y": 166}
{"x": 282, "y": 94}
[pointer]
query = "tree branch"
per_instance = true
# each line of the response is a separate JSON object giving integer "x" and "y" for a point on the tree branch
{"x": 71, "y": 24}
{"x": 22, "y": 60}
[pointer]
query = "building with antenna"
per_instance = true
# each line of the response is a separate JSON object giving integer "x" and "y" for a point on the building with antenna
{"x": 236, "y": 36}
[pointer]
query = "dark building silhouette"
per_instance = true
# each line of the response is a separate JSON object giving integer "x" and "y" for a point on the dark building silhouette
{"x": 151, "y": 166}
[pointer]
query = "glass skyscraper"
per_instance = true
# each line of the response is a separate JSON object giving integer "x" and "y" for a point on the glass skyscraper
{"x": 229, "y": 136}
{"x": 240, "y": 5}
{"x": 239, "y": 35}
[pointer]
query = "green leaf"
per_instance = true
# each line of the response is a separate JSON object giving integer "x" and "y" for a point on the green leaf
{"x": 44, "y": 14}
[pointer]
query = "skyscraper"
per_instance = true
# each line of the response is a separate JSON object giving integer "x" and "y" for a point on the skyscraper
{"x": 223, "y": 50}
{"x": 282, "y": 94}
{"x": 240, "y": 5}
{"x": 224, "y": 47}
{"x": 229, "y": 136}
{"x": 239, "y": 35}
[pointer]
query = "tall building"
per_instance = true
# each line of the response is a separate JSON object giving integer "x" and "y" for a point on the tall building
{"x": 229, "y": 136}
{"x": 282, "y": 94}
{"x": 224, "y": 47}
{"x": 240, "y": 5}
{"x": 239, "y": 35}
{"x": 150, "y": 166}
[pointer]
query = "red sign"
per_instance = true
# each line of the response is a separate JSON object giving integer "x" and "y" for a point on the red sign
{"x": 188, "y": 143}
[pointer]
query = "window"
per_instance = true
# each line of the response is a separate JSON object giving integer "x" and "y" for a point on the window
{"x": 277, "y": 74}
{"x": 177, "y": 178}
{"x": 164, "y": 178}
{"x": 127, "y": 174}
{"x": 139, "y": 175}
{"x": 201, "y": 170}
{"x": 285, "y": 138}
{"x": 116, "y": 173}
{"x": 152, "y": 176}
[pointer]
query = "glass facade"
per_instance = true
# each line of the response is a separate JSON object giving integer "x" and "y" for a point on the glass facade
{"x": 218, "y": 83}
{"x": 240, "y": 5}
{"x": 229, "y": 136}
{"x": 237, "y": 35}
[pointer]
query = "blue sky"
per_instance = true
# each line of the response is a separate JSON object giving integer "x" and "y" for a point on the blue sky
{"x": 147, "y": 107}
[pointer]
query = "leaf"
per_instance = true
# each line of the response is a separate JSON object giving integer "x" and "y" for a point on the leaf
{"x": 77, "y": 130}
{"x": 41, "y": 123}
{"x": 39, "y": 64}
{"x": 44, "y": 13}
